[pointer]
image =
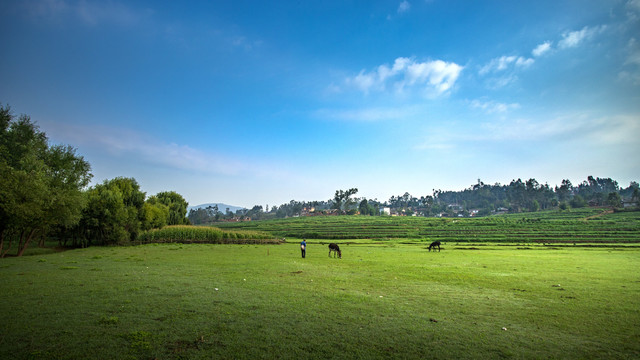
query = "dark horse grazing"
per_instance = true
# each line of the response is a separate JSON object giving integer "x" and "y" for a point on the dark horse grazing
{"x": 336, "y": 250}
{"x": 433, "y": 245}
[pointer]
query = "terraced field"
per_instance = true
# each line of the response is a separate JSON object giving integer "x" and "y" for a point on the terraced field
{"x": 581, "y": 226}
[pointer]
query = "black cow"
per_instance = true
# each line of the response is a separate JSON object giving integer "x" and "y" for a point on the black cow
{"x": 336, "y": 250}
{"x": 433, "y": 245}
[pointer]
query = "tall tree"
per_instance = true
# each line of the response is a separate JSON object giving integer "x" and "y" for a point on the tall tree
{"x": 40, "y": 185}
{"x": 365, "y": 208}
{"x": 564, "y": 191}
{"x": 614, "y": 200}
{"x": 114, "y": 213}
{"x": 177, "y": 206}
{"x": 342, "y": 199}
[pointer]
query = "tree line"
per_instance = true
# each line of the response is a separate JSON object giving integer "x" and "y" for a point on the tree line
{"x": 479, "y": 199}
{"x": 44, "y": 194}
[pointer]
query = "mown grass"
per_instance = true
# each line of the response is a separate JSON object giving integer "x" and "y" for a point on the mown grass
{"x": 172, "y": 301}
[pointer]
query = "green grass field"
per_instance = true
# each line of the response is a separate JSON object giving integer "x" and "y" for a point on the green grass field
{"x": 175, "y": 301}
{"x": 589, "y": 225}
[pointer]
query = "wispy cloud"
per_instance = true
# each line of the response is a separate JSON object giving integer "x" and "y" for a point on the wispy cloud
{"x": 502, "y": 70}
{"x": 541, "y": 49}
{"x": 404, "y": 7}
{"x": 631, "y": 63}
{"x": 570, "y": 39}
{"x": 436, "y": 76}
{"x": 504, "y": 63}
{"x": 245, "y": 43}
{"x": 142, "y": 148}
{"x": 583, "y": 129}
{"x": 573, "y": 39}
{"x": 633, "y": 49}
{"x": 491, "y": 107}
{"x": 633, "y": 10}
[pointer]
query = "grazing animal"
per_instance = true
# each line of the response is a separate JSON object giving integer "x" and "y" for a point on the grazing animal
{"x": 433, "y": 245}
{"x": 336, "y": 250}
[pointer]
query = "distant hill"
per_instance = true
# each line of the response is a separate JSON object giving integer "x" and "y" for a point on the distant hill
{"x": 221, "y": 207}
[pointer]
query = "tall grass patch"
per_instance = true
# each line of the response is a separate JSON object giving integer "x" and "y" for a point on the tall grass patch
{"x": 205, "y": 235}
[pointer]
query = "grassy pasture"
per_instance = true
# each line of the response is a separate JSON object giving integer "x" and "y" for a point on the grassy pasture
{"x": 380, "y": 301}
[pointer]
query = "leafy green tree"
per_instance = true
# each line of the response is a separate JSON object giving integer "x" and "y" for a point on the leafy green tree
{"x": 114, "y": 212}
{"x": 256, "y": 213}
{"x": 517, "y": 195}
{"x": 577, "y": 202}
{"x": 342, "y": 199}
{"x": 200, "y": 216}
{"x": 614, "y": 200}
{"x": 40, "y": 185}
{"x": 564, "y": 191}
{"x": 177, "y": 206}
{"x": 365, "y": 208}
{"x": 155, "y": 215}
{"x": 535, "y": 206}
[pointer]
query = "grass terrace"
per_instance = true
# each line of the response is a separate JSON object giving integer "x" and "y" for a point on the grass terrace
{"x": 584, "y": 226}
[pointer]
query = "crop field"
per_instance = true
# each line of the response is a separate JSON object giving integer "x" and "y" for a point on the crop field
{"x": 576, "y": 226}
{"x": 389, "y": 300}
{"x": 204, "y": 235}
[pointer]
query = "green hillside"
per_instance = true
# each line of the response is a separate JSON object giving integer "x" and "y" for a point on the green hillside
{"x": 577, "y": 226}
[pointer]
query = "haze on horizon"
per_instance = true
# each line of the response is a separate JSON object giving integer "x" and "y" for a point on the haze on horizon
{"x": 246, "y": 103}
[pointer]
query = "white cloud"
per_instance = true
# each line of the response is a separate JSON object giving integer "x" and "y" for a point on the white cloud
{"x": 541, "y": 49}
{"x": 524, "y": 62}
{"x": 505, "y": 62}
{"x": 491, "y": 107}
{"x": 363, "y": 81}
{"x": 437, "y": 76}
{"x": 404, "y": 7}
{"x": 501, "y": 81}
{"x": 572, "y": 39}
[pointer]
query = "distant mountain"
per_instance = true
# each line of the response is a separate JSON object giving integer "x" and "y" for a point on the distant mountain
{"x": 221, "y": 207}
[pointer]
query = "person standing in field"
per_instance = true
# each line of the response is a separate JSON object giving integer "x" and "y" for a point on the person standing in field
{"x": 303, "y": 247}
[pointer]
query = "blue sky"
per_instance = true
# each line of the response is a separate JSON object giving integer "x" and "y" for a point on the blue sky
{"x": 255, "y": 102}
